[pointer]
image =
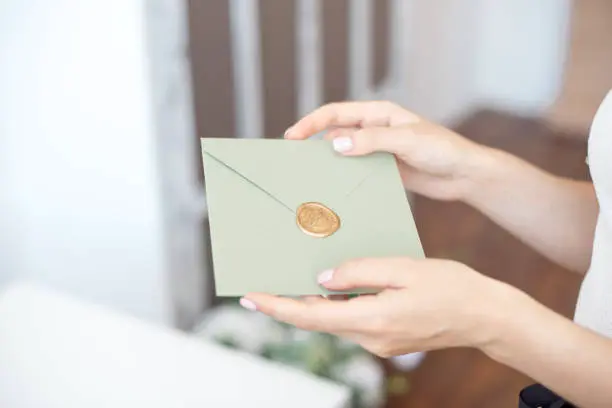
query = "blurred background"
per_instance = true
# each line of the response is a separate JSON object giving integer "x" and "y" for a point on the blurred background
{"x": 102, "y": 105}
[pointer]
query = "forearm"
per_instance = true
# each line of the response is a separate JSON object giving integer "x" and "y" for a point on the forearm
{"x": 555, "y": 216}
{"x": 574, "y": 362}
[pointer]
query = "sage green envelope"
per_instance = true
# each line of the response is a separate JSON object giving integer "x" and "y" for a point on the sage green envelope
{"x": 254, "y": 186}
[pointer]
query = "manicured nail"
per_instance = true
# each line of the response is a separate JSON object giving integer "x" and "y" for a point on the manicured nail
{"x": 287, "y": 133}
{"x": 325, "y": 276}
{"x": 343, "y": 144}
{"x": 247, "y": 304}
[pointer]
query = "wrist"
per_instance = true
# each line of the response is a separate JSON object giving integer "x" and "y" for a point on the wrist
{"x": 497, "y": 309}
{"x": 485, "y": 317}
{"x": 486, "y": 168}
{"x": 510, "y": 318}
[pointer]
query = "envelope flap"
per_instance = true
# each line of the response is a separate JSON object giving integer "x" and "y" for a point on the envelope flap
{"x": 295, "y": 171}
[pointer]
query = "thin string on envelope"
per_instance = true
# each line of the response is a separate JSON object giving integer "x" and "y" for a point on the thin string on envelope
{"x": 251, "y": 183}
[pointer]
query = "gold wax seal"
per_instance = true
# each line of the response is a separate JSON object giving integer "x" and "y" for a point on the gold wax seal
{"x": 317, "y": 220}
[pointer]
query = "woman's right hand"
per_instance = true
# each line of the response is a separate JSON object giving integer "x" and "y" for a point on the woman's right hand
{"x": 433, "y": 160}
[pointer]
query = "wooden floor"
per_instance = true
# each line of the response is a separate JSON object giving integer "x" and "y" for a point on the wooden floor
{"x": 463, "y": 378}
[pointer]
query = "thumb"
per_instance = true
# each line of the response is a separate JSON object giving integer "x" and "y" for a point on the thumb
{"x": 369, "y": 273}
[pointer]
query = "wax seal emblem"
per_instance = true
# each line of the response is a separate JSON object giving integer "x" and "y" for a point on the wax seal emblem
{"x": 317, "y": 220}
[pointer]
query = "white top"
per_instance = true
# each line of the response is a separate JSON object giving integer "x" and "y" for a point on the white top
{"x": 594, "y": 308}
{"x": 59, "y": 352}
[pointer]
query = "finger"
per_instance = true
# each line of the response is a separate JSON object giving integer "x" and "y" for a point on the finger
{"x": 340, "y": 132}
{"x": 369, "y": 273}
{"x": 332, "y": 317}
{"x": 396, "y": 140}
{"x": 350, "y": 114}
{"x": 314, "y": 299}
{"x": 323, "y": 298}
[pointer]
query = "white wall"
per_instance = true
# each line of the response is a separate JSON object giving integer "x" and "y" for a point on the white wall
{"x": 82, "y": 205}
{"x": 464, "y": 54}
{"x": 440, "y": 58}
{"x": 522, "y": 48}
{"x": 10, "y": 215}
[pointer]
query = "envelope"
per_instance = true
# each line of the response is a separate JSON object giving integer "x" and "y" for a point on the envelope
{"x": 254, "y": 188}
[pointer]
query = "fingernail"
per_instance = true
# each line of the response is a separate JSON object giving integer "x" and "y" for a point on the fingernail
{"x": 343, "y": 144}
{"x": 287, "y": 133}
{"x": 247, "y": 304}
{"x": 325, "y": 276}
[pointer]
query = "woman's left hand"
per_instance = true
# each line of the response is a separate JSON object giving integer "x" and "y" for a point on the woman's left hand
{"x": 422, "y": 305}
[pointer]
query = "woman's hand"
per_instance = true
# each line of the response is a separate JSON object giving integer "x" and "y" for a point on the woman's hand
{"x": 421, "y": 305}
{"x": 433, "y": 160}
{"x": 432, "y": 304}
{"x": 554, "y": 216}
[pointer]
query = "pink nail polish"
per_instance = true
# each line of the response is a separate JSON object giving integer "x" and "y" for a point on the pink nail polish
{"x": 325, "y": 276}
{"x": 247, "y": 304}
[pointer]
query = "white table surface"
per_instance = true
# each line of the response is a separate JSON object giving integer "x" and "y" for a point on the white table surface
{"x": 56, "y": 351}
